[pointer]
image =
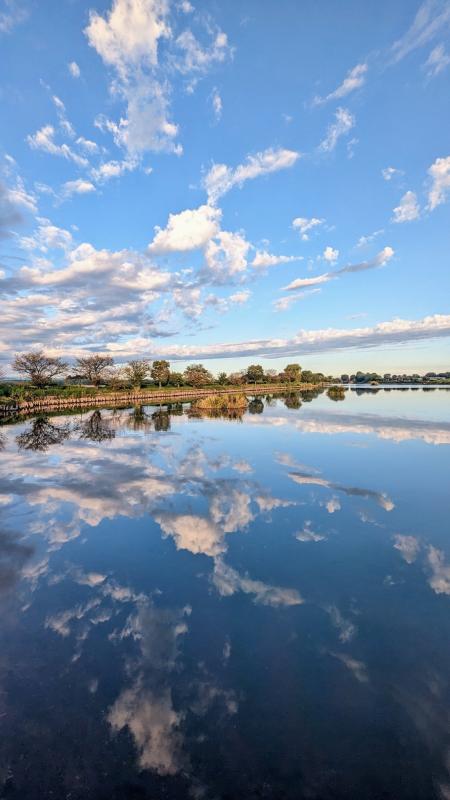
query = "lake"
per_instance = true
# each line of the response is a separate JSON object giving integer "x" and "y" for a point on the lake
{"x": 217, "y": 608}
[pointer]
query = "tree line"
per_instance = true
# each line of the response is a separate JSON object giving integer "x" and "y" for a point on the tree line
{"x": 98, "y": 370}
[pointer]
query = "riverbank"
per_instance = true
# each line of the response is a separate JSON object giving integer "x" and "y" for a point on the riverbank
{"x": 141, "y": 396}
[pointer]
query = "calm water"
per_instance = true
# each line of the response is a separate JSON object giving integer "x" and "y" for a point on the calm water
{"x": 224, "y": 609}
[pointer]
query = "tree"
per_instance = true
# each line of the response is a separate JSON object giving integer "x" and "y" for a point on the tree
{"x": 161, "y": 420}
{"x": 222, "y": 378}
{"x": 236, "y": 378}
{"x": 255, "y": 373}
{"x": 160, "y": 372}
{"x": 345, "y": 378}
{"x": 38, "y": 367}
{"x": 197, "y": 375}
{"x": 293, "y": 373}
{"x": 136, "y": 372}
{"x": 94, "y": 368}
{"x": 176, "y": 379}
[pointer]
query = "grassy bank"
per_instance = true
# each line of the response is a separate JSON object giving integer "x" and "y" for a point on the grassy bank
{"x": 66, "y": 397}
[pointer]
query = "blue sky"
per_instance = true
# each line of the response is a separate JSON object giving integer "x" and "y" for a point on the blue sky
{"x": 226, "y": 182}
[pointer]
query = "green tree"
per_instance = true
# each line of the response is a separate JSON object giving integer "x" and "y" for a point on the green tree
{"x": 94, "y": 368}
{"x": 160, "y": 372}
{"x": 255, "y": 373}
{"x": 197, "y": 375}
{"x": 176, "y": 379}
{"x": 293, "y": 373}
{"x": 222, "y": 378}
{"x": 137, "y": 371}
{"x": 38, "y": 367}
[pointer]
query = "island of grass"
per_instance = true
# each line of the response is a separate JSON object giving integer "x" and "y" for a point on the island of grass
{"x": 219, "y": 403}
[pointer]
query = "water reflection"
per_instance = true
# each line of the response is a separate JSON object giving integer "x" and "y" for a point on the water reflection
{"x": 197, "y": 608}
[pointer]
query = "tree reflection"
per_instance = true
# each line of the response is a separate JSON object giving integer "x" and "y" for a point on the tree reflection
{"x": 42, "y": 434}
{"x": 161, "y": 420}
{"x": 96, "y": 428}
{"x": 256, "y": 406}
{"x": 139, "y": 419}
{"x": 292, "y": 400}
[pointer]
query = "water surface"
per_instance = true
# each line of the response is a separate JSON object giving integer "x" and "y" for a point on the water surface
{"x": 228, "y": 608}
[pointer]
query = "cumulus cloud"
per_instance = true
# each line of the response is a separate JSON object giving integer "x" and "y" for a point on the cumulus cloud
{"x": 408, "y": 209}
{"x": 432, "y": 18}
{"x": 263, "y": 259}
{"x": 189, "y": 230}
{"x": 380, "y": 260}
{"x": 304, "y": 225}
{"x": 439, "y": 173}
{"x": 354, "y": 79}
{"x": 78, "y": 186}
{"x": 221, "y": 178}
{"x": 344, "y": 122}
{"x": 127, "y": 39}
{"x": 226, "y": 255}
{"x": 240, "y": 297}
{"x": 330, "y": 254}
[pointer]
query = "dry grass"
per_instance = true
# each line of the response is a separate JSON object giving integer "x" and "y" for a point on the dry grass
{"x": 219, "y": 403}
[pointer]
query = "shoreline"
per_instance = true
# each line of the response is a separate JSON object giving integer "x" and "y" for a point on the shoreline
{"x": 141, "y": 397}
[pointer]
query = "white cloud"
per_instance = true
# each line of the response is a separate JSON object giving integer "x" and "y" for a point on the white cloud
{"x": 304, "y": 225}
{"x": 87, "y": 144}
{"x": 432, "y": 17}
{"x": 263, "y": 259}
{"x": 286, "y": 302}
{"x": 345, "y": 121}
{"x": 186, "y": 7}
{"x": 379, "y": 260}
{"x": 408, "y": 546}
{"x": 389, "y": 172}
{"x": 440, "y": 186}
{"x": 408, "y": 209}
{"x": 354, "y": 79}
{"x": 113, "y": 169}
{"x": 440, "y": 571}
{"x": 79, "y": 186}
{"x": 127, "y": 40}
{"x": 197, "y": 58}
{"x": 128, "y": 36}
{"x": 228, "y": 581}
{"x": 74, "y": 69}
{"x": 330, "y": 254}
{"x": 189, "y": 230}
{"x": 14, "y": 12}
{"x": 217, "y": 104}
{"x": 437, "y": 61}
{"x": 43, "y": 140}
{"x": 220, "y": 179}
{"x": 240, "y": 298}
{"x": 47, "y": 237}
{"x": 192, "y": 532}
{"x": 363, "y": 241}
{"x": 226, "y": 255}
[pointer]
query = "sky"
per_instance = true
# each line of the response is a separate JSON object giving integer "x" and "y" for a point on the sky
{"x": 226, "y": 182}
